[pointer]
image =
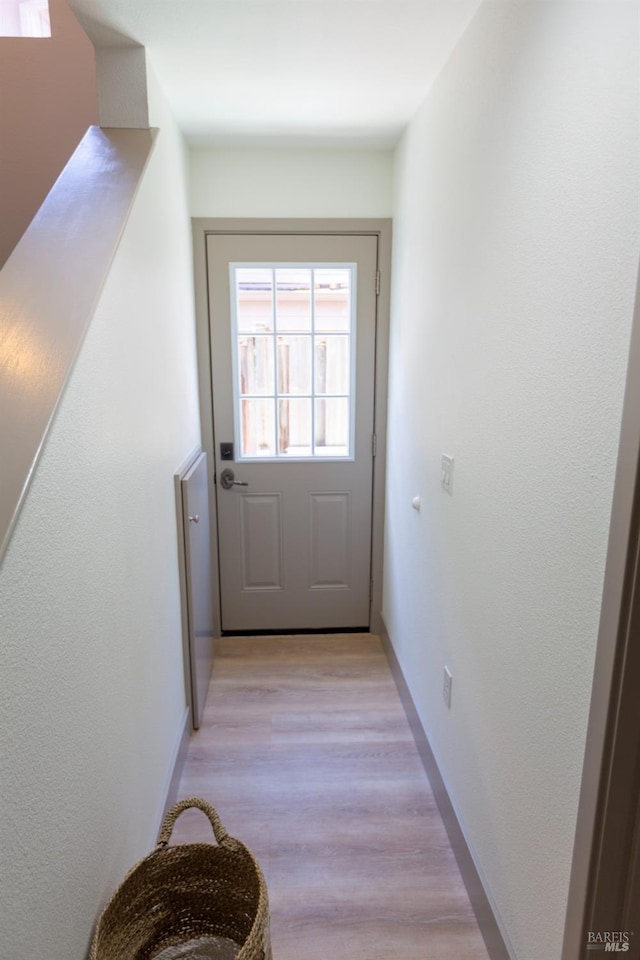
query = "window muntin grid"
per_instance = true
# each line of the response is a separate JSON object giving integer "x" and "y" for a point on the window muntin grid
{"x": 293, "y": 337}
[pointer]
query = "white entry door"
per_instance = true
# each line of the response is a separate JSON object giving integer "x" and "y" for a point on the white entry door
{"x": 293, "y": 361}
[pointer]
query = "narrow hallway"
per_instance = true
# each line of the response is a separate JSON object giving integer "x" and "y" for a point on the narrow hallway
{"x": 306, "y": 753}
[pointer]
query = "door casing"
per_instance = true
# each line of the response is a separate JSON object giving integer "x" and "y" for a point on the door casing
{"x": 607, "y": 812}
{"x": 381, "y": 228}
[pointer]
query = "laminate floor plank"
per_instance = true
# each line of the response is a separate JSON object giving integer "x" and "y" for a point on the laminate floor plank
{"x": 307, "y": 755}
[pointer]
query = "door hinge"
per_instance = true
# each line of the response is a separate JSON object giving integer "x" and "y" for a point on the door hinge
{"x": 374, "y": 445}
{"x": 370, "y": 591}
{"x": 377, "y": 283}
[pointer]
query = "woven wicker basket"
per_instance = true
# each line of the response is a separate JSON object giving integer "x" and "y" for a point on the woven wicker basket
{"x": 193, "y": 900}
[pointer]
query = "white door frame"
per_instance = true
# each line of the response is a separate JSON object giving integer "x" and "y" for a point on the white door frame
{"x": 603, "y": 788}
{"x": 380, "y": 228}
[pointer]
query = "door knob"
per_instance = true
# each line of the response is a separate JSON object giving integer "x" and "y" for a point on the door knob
{"x": 195, "y": 519}
{"x": 227, "y": 480}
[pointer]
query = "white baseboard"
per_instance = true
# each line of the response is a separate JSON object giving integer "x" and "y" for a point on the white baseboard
{"x": 178, "y": 755}
{"x": 487, "y": 915}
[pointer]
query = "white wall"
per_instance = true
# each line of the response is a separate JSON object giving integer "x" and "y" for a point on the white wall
{"x": 92, "y": 695}
{"x": 516, "y": 247}
{"x": 270, "y": 182}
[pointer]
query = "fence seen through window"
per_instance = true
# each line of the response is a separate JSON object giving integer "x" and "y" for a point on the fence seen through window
{"x": 293, "y": 360}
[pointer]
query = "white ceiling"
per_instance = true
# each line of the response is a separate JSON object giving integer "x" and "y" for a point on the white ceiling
{"x": 303, "y": 72}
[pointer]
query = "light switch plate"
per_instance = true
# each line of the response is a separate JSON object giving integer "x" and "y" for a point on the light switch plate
{"x": 446, "y": 474}
{"x": 446, "y": 687}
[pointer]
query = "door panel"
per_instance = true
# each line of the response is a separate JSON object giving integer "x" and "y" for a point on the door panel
{"x": 260, "y": 541}
{"x": 195, "y": 512}
{"x": 293, "y": 351}
{"x": 330, "y": 537}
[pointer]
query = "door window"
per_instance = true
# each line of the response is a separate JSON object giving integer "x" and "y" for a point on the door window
{"x": 294, "y": 351}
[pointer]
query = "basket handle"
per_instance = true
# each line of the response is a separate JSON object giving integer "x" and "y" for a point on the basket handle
{"x": 168, "y": 823}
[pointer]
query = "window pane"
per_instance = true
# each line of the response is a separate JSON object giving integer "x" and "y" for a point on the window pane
{"x": 332, "y": 295}
{"x": 258, "y": 428}
{"x": 294, "y": 359}
{"x": 254, "y": 298}
{"x": 332, "y": 427}
{"x": 24, "y": 18}
{"x": 294, "y": 428}
{"x": 293, "y": 300}
{"x": 255, "y": 361}
{"x": 332, "y": 364}
{"x": 294, "y": 365}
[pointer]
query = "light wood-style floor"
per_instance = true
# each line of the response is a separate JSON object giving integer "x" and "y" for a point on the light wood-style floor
{"x": 307, "y": 756}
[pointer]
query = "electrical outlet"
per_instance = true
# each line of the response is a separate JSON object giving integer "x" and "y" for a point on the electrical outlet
{"x": 446, "y": 687}
{"x": 446, "y": 474}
